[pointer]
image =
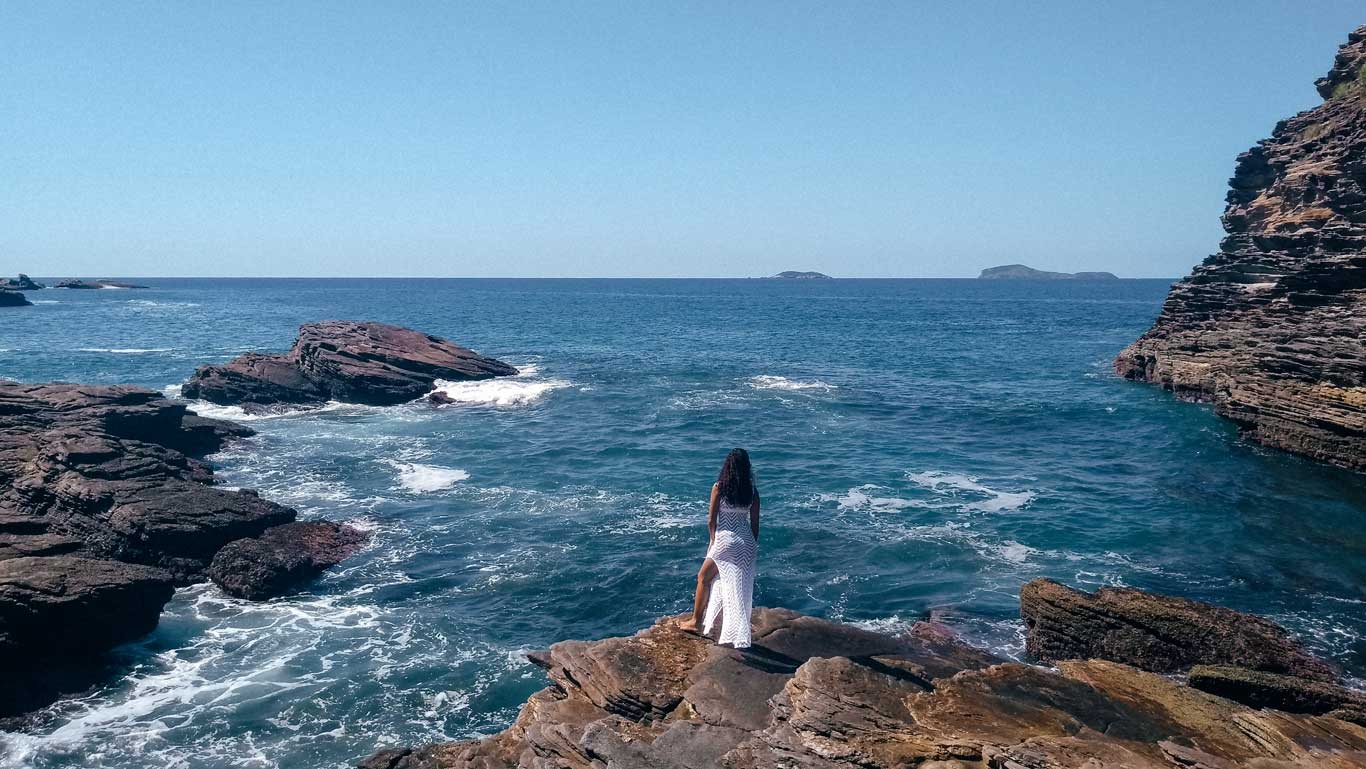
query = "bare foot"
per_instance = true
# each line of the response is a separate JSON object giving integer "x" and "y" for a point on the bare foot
{"x": 688, "y": 626}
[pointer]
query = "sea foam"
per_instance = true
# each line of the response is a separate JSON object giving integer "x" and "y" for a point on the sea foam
{"x": 771, "y": 382}
{"x": 424, "y": 479}
{"x": 525, "y": 388}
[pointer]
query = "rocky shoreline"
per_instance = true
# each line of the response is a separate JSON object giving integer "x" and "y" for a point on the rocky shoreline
{"x": 815, "y": 694}
{"x": 1270, "y": 330}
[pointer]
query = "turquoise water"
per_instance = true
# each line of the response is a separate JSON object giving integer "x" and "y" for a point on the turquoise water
{"x": 921, "y": 446}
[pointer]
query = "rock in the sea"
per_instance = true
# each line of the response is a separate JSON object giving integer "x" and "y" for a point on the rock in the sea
{"x": 1272, "y": 329}
{"x": 801, "y": 275}
{"x": 813, "y": 694}
{"x": 350, "y": 361}
{"x": 272, "y": 564}
{"x": 10, "y": 298}
{"x": 103, "y": 510}
{"x": 1259, "y": 689}
{"x": 21, "y": 283}
{"x": 91, "y": 284}
{"x": 1156, "y": 632}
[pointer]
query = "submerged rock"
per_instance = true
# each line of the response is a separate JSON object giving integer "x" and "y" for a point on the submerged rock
{"x": 283, "y": 556}
{"x": 814, "y": 694}
{"x": 1272, "y": 329}
{"x": 349, "y": 361}
{"x": 1156, "y": 632}
{"x": 13, "y": 299}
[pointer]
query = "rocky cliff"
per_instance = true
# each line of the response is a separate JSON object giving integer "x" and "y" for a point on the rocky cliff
{"x": 1270, "y": 329}
{"x": 814, "y": 694}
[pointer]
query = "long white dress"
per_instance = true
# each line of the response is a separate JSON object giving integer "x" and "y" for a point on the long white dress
{"x": 732, "y": 594}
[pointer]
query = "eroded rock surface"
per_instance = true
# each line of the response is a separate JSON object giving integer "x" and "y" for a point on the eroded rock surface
{"x": 272, "y": 564}
{"x": 1155, "y": 632}
{"x": 13, "y": 299}
{"x": 812, "y": 694}
{"x": 343, "y": 360}
{"x": 104, "y": 509}
{"x": 1270, "y": 329}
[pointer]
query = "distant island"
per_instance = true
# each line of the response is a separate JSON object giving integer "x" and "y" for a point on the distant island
{"x": 1021, "y": 272}
{"x": 799, "y": 275}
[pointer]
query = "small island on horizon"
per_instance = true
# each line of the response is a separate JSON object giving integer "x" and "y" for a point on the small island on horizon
{"x": 801, "y": 275}
{"x": 1023, "y": 272}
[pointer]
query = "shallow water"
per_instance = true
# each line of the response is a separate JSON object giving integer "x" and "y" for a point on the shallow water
{"x": 922, "y": 446}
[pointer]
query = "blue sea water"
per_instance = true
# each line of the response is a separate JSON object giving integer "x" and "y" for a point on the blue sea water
{"x": 922, "y": 447}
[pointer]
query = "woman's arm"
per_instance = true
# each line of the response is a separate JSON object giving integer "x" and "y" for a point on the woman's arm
{"x": 754, "y": 516}
{"x": 711, "y": 515}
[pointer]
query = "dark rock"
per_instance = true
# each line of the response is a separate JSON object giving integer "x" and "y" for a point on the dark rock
{"x": 22, "y": 283}
{"x": 1272, "y": 329}
{"x": 284, "y": 556}
{"x": 62, "y": 605}
{"x": 1156, "y": 632}
{"x": 348, "y": 361}
{"x": 1021, "y": 272}
{"x": 13, "y": 299}
{"x": 797, "y": 700}
{"x": 92, "y": 284}
{"x": 1259, "y": 689}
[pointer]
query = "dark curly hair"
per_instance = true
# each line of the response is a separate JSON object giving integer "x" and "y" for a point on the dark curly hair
{"x": 735, "y": 483}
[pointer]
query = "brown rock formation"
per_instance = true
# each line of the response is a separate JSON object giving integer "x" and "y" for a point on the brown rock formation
{"x": 271, "y": 564}
{"x": 1156, "y": 632}
{"x": 1269, "y": 690}
{"x": 1270, "y": 329}
{"x": 344, "y": 360}
{"x": 812, "y": 694}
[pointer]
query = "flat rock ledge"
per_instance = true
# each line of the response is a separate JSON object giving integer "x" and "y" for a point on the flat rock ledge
{"x": 284, "y": 556}
{"x": 1272, "y": 329}
{"x": 814, "y": 694}
{"x": 104, "y": 509}
{"x": 343, "y": 360}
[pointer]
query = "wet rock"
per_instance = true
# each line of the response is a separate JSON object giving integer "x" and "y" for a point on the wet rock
{"x": 1259, "y": 689}
{"x": 13, "y": 299}
{"x": 813, "y": 694}
{"x": 1270, "y": 329}
{"x": 79, "y": 283}
{"x": 283, "y": 556}
{"x": 349, "y": 361}
{"x": 21, "y": 283}
{"x": 1156, "y": 632}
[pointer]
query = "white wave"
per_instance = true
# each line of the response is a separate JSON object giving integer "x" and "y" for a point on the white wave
{"x": 954, "y": 483}
{"x": 522, "y": 389}
{"x": 770, "y": 382}
{"x": 107, "y": 287}
{"x": 151, "y": 303}
{"x": 125, "y": 350}
{"x": 860, "y": 498}
{"x": 424, "y": 479}
{"x": 44, "y": 301}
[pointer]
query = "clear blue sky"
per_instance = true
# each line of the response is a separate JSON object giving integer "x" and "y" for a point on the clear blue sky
{"x": 632, "y": 139}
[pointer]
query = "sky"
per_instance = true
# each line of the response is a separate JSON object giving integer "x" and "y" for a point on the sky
{"x": 567, "y": 139}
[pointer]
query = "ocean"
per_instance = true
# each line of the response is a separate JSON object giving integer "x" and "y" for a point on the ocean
{"x": 923, "y": 448}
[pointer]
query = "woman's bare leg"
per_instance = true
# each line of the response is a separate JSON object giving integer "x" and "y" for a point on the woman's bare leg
{"x": 705, "y": 576}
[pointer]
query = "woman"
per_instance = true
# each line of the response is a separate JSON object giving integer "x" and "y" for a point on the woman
{"x": 725, "y": 584}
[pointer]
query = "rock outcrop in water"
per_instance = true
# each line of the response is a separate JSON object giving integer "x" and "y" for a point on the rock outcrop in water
{"x": 1156, "y": 632}
{"x": 281, "y": 558}
{"x": 20, "y": 283}
{"x": 1270, "y": 329}
{"x": 350, "y": 361}
{"x": 812, "y": 694}
{"x": 93, "y": 284}
{"x": 104, "y": 509}
{"x": 13, "y": 299}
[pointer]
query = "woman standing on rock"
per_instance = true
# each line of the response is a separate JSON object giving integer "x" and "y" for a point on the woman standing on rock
{"x": 725, "y": 583}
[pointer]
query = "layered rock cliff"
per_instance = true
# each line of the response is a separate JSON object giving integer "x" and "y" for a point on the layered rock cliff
{"x": 1270, "y": 329}
{"x": 814, "y": 694}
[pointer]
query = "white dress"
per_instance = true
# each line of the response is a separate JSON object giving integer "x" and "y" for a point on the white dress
{"x": 732, "y": 594}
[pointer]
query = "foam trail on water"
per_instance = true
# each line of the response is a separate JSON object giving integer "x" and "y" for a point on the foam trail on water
{"x": 771, "y": 382}
{"x": 953, "y": 483}
{"x": 125, "y": 350}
